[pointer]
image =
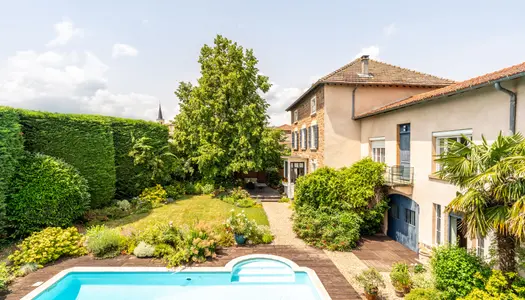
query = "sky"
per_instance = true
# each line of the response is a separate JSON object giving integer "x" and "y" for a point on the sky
{"x": 122, "y": 58}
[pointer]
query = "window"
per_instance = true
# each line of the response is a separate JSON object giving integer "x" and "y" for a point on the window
{"x": 295, "y": 116}
{"x": 313, "y": 105}
{"x": 481, "y": 247}
{"x": 410, "y": 217}
{"x": 443, "y": 141}
{"x": 296, "y": 170}
{"x": 303, "y": 138}
{"x": 295, "y": 140}
{"x": 309, "y": 130}
{"x": 313, "y": 136}
{"x": 437, "y": 209}
{"x": 378, "y": 149}
{"x": 395, "y": 211}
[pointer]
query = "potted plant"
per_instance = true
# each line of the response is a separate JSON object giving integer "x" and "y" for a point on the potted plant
{"x": 400, "y": 277}
{"x": 239, "y": 225}
{"x": 371, "y": 281}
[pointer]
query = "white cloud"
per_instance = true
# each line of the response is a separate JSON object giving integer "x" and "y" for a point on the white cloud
{"x": 65, "y": 31}
{"x": 390, "y": 29}
{"x": 124, "y": 50}
{"x": 68, "y": 82}
{"x": 279, "y": 99}
{"x": 373, "y": 51}
{"x": 145, "y": 22}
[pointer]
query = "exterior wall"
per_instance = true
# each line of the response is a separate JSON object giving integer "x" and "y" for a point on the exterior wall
{"x": 485, "y": 111}
{"x": 307, "y": 119}
{"x": 371, "y": 97}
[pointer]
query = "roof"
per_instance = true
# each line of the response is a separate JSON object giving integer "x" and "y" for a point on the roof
{"x": 284, "y": 127}
{"x": 509, "y": 73}
{"x": 381, "y": 74}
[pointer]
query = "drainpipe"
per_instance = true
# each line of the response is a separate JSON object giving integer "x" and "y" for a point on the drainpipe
{"x": 512, "y": 123}
{"x": 353, "y": 103}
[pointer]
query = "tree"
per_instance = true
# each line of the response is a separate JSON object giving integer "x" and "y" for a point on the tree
{"x": 221, "y": 127}
{"x": 159, "y": 162}
{"x": 492, "y": 190}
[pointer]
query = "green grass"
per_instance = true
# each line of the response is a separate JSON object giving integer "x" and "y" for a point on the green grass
{"x": 189, "y": 211}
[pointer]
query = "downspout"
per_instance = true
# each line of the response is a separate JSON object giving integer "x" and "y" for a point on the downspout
{"x": 513, "y": 98}
{"x": 353, "y": 103}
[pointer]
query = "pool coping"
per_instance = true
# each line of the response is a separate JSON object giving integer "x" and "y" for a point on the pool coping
{"x": 228, "y": 268}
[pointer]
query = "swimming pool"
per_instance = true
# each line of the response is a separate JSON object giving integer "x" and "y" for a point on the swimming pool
{"x": 254, "y": 277}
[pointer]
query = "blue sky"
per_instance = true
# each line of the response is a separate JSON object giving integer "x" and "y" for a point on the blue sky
{"x": 123, "y": 57}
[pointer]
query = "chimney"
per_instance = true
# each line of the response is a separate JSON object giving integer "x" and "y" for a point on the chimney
{"x": 364, "y": 65}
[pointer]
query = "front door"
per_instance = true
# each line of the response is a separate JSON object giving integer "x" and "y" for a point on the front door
{"x": 403, "y": 218}
{"x": 404, "y": 150}
{"x": 297, "y": 169}
{"x": 456, "y": 232}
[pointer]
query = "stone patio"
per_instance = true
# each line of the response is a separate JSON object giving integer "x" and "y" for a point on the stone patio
{"x": 334, "y": 282}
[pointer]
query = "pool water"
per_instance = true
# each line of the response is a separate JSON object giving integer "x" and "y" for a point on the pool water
{"x": 256, "y": 279}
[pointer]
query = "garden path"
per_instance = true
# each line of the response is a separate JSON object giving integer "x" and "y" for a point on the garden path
{"x": 280, "y": 218}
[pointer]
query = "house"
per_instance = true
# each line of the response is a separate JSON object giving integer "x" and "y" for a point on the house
{"x": 406, "y": 134}
{"x": 323, "y": 131}
{"x": 287, "y": 130}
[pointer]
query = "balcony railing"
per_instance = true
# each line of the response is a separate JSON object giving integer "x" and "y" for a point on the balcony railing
{"x": 399, "y": 175}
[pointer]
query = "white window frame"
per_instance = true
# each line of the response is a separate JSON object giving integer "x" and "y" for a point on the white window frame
{"x": 304, "y": 135}
{"x": 313, "y": 144}
{"x": 444, "y": 136}
{"x": 378, "y": 149}
{"x": 313, "y": 105}
{"x": 295, "y": 116}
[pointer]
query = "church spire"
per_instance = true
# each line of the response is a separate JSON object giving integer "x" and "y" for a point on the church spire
{"x": 160, "y": 119}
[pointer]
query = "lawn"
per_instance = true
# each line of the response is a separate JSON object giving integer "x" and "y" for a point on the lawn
{"x": 189, "y": 211}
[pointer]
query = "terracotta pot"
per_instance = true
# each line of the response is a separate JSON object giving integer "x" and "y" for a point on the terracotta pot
{"x": 406, "y": 289}
{"x": 400, "y": 293}
{"x": 370, "y": 296}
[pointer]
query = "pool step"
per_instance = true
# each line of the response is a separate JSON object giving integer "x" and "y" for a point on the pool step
{"x": 259, "y": 271}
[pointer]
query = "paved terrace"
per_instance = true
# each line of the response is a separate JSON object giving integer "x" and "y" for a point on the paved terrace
{"x": 334, "y": 282}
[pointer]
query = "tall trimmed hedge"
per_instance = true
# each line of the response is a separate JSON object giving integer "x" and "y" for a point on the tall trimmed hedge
{"x": 131, "y": 179}
{"x": 11, "y": 150}
{"x": 44, "y": 192}
{"x": 85, "y": 142}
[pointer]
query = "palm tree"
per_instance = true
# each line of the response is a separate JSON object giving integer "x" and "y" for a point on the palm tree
{"x": 491, "y": 180}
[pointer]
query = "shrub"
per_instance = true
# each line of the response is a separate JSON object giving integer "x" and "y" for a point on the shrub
{"x": 260, "y": 234}
{"x": 208, "y": 189}
{"x": 238, "y": 223}
{"x": 400, "y": 276}
{"x": 124, "y": 205}
{"x": 284, "y": 200}
{"x": 95, "y": 216}
{"x": 240, "y": 198}
{"x": 496, "y": 287}
{"x": 419, "y": 268}
{"x": 333, "y": 230}
{"x": 11, "y": 150}
{"x": 132, "y": 179}
{"x": 45, "y": 192}
{"x": 372, "y": 217}
{"x": 160, "y": 234}
{"x": 144, "y": 250}
{"x": 201, "y": 245}
{"x": 26, "y": 269}
{"x": 175, "y": 190}
{"x": 317, "y": 189}
{"x": 177, "y": 258}
{"x": 425, "y": 294}
{"x": 371, "y": 280}
{"x": 454, "y": 268}
{"x": 163, "y": 250}
{"x": 48, "y": 245}
{"x": 104, "y": 242}
{"x": 85, "y": 142}
{"x": 154, "y": 195}
{"x": 5, "y": 278}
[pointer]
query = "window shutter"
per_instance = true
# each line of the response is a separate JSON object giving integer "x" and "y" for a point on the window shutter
{"x": 316, "y": 136}
{"x": 309, "y": 137}
{"x": 293, "y": 140}
{"x": 305, "y": 138}
{"x": 300, "y": 139}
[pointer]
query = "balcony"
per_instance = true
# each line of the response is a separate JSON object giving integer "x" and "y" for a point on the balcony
{"x": 399, "y": 179}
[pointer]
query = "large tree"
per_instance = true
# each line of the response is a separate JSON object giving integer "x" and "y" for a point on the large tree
{"x": 222, "y": 125}
{"x": 491, "y": 180}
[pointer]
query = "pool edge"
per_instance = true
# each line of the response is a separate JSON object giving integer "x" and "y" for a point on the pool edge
{"x": 316, "y": 282}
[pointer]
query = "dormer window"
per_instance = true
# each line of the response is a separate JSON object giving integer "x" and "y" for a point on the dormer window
{"x": 313, "y": 105}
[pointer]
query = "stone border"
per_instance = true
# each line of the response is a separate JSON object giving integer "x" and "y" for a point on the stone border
{"x": 323, "y": 294}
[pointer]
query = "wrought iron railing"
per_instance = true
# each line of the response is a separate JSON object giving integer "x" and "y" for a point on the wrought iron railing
{"x": 399, "y": 175}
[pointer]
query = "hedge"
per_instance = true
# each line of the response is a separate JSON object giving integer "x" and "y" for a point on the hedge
{"x": 85, "y": 142}
{"x": 11, "y": 149}
{"x": 45, "y": 191}
{"x": 131, "y": 179}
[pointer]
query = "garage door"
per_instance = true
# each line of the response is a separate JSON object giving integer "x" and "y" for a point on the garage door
{"x": 403, "y": 221}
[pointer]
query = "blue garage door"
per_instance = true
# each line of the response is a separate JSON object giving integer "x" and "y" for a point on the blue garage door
{"x": 403, "y": 221}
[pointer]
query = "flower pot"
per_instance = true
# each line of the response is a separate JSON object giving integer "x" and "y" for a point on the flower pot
{"x": 400, "y": 294}
{"x": 370, "y": 296}
{"x": 240, "y": 239}
{"x": 406, "y": 289}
